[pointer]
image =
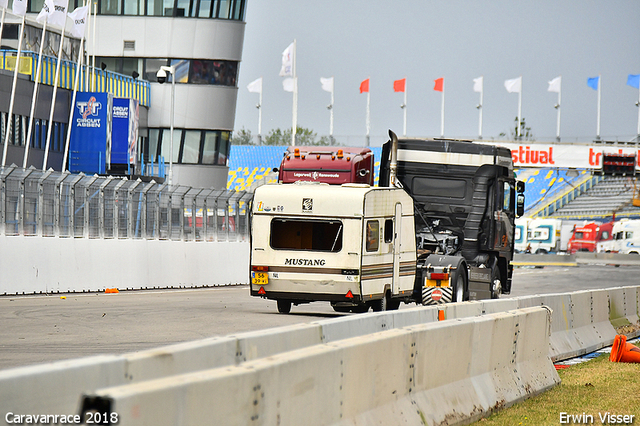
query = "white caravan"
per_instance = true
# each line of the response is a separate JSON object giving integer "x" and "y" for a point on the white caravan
{"x": 543, "y": 235}
{"x": 520, "y": 234}
{"x": 352, "y": 245}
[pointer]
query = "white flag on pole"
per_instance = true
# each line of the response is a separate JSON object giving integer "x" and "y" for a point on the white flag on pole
{"x": 327, "y": 84}
{"x": 59, "y": 15}
{"x": 255, "y": 86}
{"x": 513, "y": 85}
{"x": 4, "y": 4}
{"x": 78, "y": 20}
{"x": 20, "y": 7}
{"x": 477, "y": 84}
{"x": 47, "y": 10}
{"x": 554, "y": 85}
{"x": 288, "y": 84}
{"x": 287, "y": 62}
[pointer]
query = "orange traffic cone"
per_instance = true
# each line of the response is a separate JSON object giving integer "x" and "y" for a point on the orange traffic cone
{"x": 621, "y": 351}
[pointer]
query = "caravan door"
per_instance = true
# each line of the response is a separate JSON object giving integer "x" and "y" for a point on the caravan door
{"x": 397, "y": 248}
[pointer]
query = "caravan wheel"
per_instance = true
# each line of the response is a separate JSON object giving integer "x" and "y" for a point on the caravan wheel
{"x": 284, "y": 306}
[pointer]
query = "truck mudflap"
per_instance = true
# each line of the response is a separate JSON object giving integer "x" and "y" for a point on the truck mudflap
{"x": 436, "y": 295}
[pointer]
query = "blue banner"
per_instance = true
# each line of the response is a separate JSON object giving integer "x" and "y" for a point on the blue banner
{"x": 90, "y": 144}
{"x": 125, "y": 131}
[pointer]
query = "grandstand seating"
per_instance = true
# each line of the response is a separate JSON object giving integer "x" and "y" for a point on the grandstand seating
{"x": 613, "y": 194}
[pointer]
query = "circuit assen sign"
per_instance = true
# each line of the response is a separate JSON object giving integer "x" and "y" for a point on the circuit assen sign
{"x": 563, "y": 155}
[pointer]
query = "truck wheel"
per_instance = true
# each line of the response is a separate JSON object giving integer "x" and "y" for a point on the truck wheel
{"x": 496, "y": 284}
{"x": 460, "y": 286}
{"x": 284, "y": 306}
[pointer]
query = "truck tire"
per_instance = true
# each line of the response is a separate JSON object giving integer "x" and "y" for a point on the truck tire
{"x": 460, "y": 283}
{"x": 284, "y": 306}
{"x": 496, "y": 284}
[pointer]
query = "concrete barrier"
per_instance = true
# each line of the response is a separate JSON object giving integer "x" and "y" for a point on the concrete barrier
{"x": 31, "y": 265}
{"x": 581, "y": 322}
{"x": 389, "y": 377}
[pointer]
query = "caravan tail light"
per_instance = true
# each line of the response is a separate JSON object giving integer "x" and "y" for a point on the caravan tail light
{"x": 259, "y": 268}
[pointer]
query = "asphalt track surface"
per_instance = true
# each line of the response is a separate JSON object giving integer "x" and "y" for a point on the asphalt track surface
{"x": 38, "y": 329}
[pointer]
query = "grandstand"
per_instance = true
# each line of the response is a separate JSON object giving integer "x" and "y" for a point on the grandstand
{"x": 613, "y": 194}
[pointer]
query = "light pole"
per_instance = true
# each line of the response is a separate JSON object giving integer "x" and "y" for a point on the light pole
{"x": 161, "y": 75}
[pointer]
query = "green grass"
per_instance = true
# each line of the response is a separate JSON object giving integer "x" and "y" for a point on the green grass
{"x": 592, "y": 387}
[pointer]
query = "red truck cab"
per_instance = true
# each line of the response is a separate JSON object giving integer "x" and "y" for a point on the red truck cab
{"x": 587, "y": 236}
{"x": 332, "y": 165}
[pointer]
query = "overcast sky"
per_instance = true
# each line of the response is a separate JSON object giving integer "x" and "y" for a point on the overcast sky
{"x": 459, "y": 40}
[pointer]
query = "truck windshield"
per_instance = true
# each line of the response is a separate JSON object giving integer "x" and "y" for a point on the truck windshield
{"x": 316, "y": 235}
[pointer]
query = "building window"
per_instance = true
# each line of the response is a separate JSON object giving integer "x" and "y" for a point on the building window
{"x": 220, "y": 9}
{"x": 189, "y": 146}
{"x": 209, "y": 147}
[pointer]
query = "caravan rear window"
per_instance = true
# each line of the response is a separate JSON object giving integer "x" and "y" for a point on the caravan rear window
{"x": 316, "y": 235}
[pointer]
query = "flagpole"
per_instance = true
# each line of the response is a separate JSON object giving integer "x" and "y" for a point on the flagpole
{"x": 34, "y": 97}
{"x": 85, "y": 70}
{"x": 598, "y": 123}
{"x": 558, "y": 106}
{"x": 260, "y": 115}
{"x": 56, "y": 82}
{"x": 4, "y": 12}
{"x": 73, "y": 102}
{"x": 331, "y": 110}
{"x": 13, "y": 96}
{"x": 93, "y": 46}
{"x": 442, "y": 113}
{"x": 368, "y": 122}
{"x": 404, "y": 107}
{"x": 480, "y": 109}
{"x": 294, "y": 124}
{"x": 518, "y": 132}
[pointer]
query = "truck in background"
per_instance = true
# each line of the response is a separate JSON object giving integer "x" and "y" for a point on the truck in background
{"x": 626, "y": 237}
{"x": 440, "y": 228}
{"x": 332, "y": 165}
{"x": 587, "y": 236}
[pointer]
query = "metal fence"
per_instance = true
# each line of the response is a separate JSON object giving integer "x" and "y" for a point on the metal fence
{"x": 54, "y": 204}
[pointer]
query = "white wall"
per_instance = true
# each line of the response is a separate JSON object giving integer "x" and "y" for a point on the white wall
{"x": 43, "y": 265}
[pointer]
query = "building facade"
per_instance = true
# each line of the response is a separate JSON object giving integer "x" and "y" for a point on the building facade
{"x": 202, "y": 40}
